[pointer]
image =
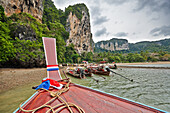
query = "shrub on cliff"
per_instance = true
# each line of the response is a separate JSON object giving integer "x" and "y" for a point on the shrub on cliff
{"x": 21, "y": 40}
{"x": 77, "y": 10}
{"x": 7, "y": 49}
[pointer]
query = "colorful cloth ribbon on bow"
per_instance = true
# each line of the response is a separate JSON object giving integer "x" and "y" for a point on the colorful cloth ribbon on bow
{"x": 46, "y": 83}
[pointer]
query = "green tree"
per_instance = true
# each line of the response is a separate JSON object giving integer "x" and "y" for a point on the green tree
{"x": 114, "y": 59}
{"x": 130, "y": 57}
{"x": 89, "y": 57}
{"x": 7, "y": 49}
{"x": 139, "y": 58}
{"x": 69, "y": 52}
{"x": 75, "y": 58}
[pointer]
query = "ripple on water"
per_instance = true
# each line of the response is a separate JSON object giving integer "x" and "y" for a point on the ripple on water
{"x": 150, "y": 86}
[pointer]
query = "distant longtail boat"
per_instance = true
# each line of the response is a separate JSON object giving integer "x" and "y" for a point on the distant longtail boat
{"x": 73, "y": 98}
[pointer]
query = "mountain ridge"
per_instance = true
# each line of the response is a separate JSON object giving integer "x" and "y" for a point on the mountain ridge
{"x": 151, "y": 46}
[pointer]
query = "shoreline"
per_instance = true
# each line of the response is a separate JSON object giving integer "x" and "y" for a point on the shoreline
{"x": 13, "y": 77}
{"x": 144, "y": 63}
{"x": 143, "y": 67}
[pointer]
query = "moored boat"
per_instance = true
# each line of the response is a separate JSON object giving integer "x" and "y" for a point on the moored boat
{"x": 76, "y": 98}
{"x": 75, "y": 74}
{"x": 99, "y": 70}
{"x": 113, "y": 66}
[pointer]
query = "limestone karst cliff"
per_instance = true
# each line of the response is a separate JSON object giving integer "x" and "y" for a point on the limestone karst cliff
{"x": 34, "y": 7}
{"x": 76, "y": 19}
{"x": 80, "y": 32}
{"x": 113, "y": 44}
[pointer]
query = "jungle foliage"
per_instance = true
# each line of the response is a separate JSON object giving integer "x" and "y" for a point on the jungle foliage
{"x": 25, "y": 49}
{"x": 21, "y": 36}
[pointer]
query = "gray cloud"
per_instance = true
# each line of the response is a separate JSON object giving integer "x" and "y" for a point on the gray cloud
{"x": 116, "y": 2}
{"x": 100, "y": 20}
{"x": 59, "y": 2}
{"x": 95, "y": 10}
{"x": 153, "y": 5}
{"x": 121, "y": 34}
{"x": 101, "y": 32}
{"x": 164, "y": 30}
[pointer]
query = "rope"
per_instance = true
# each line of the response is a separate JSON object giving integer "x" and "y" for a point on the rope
{"x": 56, "y": 95}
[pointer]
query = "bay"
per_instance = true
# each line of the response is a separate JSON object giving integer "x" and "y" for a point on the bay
{"x": 150, "y": 65}
{"x": 150, "y": 86}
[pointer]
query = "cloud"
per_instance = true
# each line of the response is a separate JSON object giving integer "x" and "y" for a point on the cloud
{"x": 95, "y": 10}
{"x": 100, "y": 20}
{"x": 59, "y": 2}
{"x": 101, "y": 32}
{"x": 153, "y": 5}
{"x": 121, "y": 34}
{"x": 164, "y": 30}
{"x": 116, "y": 2}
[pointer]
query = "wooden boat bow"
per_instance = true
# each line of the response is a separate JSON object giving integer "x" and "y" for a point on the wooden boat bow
{"x": 88, "y": 100}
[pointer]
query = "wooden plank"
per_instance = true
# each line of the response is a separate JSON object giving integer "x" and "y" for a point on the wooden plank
{"x": 118, "y": 102}
{"x": 41, "y": 99}
{"x": 77, "y": 99}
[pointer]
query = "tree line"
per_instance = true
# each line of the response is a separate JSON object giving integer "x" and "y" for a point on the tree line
{"x": 143, "y": 56}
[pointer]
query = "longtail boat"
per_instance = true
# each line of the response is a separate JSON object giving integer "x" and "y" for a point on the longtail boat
{"x": 76, "y": 98}
{"x": 74, "y": 74}
{"x": 113, "y": 66}
{"x": 84, "y": 71}
{"x": 99, "y": 71}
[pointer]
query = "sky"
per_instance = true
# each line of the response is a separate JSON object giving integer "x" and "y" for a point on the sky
{"x": 134, "y": 20}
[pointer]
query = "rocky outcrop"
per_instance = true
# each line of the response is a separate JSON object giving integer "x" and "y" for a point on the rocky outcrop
{"x": 80, "y": 32}
{"x": 34, "y": 7}
{"x": 23, "y": 32}
{"x": 113, "y": 44}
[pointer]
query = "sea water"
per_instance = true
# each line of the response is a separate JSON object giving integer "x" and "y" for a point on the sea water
{"x": 150, "y": 65}
{"x": 150, "y": 86}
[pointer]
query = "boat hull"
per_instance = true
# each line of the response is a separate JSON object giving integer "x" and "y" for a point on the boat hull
{"x": 91, "y": 101}
{"x": 74, "y": 75}
{"x": 101, "y": 72}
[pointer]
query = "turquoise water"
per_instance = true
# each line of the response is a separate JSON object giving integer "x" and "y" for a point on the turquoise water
{"x": 150, "y": 86}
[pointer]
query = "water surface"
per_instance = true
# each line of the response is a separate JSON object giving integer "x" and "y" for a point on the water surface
{"x": 150, "y": 86}
{"x": 150, "y": 65}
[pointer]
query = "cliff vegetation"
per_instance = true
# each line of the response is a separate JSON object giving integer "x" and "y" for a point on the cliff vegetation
{"x": 21, "y": 40}
{"x": 21, "y": 36}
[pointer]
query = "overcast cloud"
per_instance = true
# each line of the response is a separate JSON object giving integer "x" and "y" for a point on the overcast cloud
{"x": 135, "y": 20}
{"x": 100, "y": 20}
{"x": 161, "y": 31}
{"x": 101, "y": 32}
{"x": 121, "y": 34}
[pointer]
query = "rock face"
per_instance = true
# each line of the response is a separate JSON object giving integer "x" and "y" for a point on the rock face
{"x": 113, "y": 44}
{"x": 79, "y": 33}
{"x": 23, "y": 32}
{"x": 34, "y": 7}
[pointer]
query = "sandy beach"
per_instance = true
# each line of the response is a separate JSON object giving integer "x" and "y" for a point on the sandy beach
{"x": 10, "y": 78}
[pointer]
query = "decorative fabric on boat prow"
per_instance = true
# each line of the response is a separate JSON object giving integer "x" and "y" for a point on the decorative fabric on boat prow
{"x": 52, "y": 67}
{"x": 51, "y": 58}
